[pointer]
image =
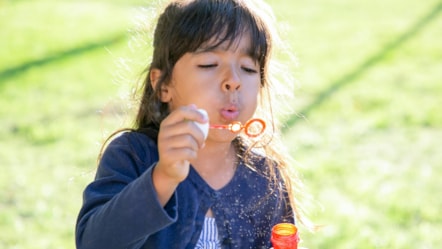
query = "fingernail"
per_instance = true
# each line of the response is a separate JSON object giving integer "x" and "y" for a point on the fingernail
{"x": 204, "y": 114}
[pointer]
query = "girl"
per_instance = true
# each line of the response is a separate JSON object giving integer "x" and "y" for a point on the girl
{"x": 164, "y": 184}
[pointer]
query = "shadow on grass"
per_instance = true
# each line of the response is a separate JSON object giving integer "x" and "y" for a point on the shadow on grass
{"x": 11, "y": 72}
{"x": 365, "y": 65}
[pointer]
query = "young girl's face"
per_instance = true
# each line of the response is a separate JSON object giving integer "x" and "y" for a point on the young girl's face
{"x": 225, "y": 81}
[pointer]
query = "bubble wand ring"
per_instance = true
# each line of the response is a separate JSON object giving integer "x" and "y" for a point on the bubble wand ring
{"x": 253, "y": 127}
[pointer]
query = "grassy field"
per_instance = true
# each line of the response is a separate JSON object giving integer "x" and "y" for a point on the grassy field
{"x": 368, "y": 131}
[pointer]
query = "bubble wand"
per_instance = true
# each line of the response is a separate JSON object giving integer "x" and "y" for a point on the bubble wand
{"x": 252, "y": 128}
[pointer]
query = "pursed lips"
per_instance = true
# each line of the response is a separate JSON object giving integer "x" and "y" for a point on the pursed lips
{"x": 230, "y": 113}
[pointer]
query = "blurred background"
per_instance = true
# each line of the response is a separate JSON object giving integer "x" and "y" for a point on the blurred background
{"x": 367, "y": 133}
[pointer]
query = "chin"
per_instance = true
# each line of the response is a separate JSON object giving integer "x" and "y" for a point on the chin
{"x": 222, "y": 136}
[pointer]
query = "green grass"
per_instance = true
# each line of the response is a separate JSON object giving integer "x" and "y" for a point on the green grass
{"x": 370, "y": 147}
{"x": 369, "y": 143}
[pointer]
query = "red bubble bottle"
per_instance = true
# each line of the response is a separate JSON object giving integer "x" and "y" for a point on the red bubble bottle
{"x": 285, "y": 236}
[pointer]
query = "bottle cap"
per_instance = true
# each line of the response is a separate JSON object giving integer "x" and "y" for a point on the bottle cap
{"x": 285, "y": 236}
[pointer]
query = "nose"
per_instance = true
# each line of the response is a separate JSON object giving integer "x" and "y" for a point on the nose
{"x": 232, "y": 82}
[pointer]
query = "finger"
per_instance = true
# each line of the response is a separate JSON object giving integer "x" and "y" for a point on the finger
{"x": 179, "y": 141}
{"x": 189, "y": 112}
{"x": 190, "y": 130}
{"x": 179, "y": 154}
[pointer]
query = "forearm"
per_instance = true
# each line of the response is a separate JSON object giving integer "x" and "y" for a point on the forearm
{"x": 105, "y": 225}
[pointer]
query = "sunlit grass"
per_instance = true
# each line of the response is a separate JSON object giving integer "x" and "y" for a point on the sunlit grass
{"x": 370, "y": 149}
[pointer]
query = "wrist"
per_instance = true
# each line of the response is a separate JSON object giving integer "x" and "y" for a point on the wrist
{"x": 163, "y": 184}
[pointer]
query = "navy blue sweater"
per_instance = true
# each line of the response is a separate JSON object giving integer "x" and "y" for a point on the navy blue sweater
{"x": 121, "y": 209}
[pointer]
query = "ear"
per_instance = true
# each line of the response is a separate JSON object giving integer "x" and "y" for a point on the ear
{"x": 155, "y": 75}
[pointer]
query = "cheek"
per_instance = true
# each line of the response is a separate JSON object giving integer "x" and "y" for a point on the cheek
{"x": 251, "y": 97}
{"x": 252, "y": 89}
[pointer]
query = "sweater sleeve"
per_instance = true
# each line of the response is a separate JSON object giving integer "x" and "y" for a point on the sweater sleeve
{"x": 120, "y": 207}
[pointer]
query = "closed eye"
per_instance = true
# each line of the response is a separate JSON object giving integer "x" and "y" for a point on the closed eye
{"x": 249, "y": 70}
{"x": 207, "y": 65}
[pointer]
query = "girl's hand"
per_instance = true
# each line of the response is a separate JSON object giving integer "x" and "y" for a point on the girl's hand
{"x": 179, "y": 141}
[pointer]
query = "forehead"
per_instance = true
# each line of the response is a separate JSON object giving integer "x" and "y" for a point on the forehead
{"x": 242, "y": 44}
